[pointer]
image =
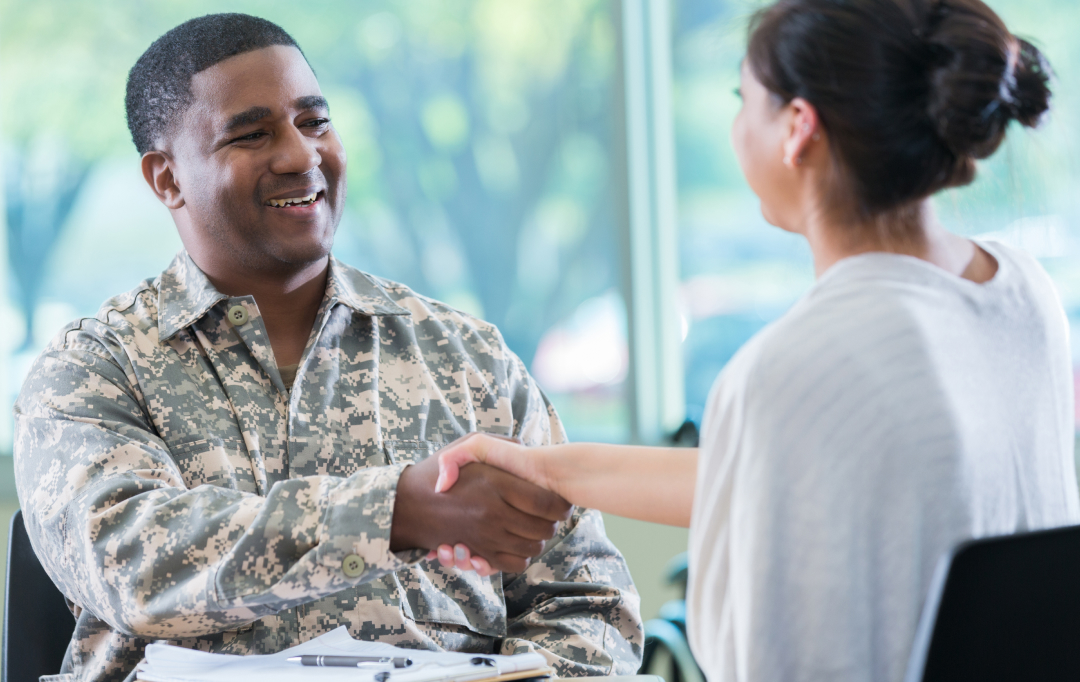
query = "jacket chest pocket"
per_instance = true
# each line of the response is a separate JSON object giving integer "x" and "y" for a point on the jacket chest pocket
{"x": 223, "y": 462}
{"x": 410, "y": 451}
{"x": 430, "y": 593}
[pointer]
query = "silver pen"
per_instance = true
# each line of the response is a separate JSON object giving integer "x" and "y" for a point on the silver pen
{"x": 350, "y": 661}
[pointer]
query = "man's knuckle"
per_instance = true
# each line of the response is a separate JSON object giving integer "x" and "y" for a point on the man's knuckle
{"x": 555, "y": 505}
{"x": 489, "y": 517}
{"x": 518, "y": 565}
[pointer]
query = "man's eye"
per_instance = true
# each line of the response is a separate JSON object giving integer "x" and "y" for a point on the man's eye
{"x": 250, "y": 137}
{"x": 316, "y": 123}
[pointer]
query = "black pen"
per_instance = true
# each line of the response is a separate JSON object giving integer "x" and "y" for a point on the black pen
{"x": 349, "y": 661}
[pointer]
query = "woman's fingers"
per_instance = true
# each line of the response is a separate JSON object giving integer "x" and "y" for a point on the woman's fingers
{"x": 450, "y": 462}
{"x": 471, "y": 447}
{"x": 482, "y": 567}
{"x": 461, "y": 557}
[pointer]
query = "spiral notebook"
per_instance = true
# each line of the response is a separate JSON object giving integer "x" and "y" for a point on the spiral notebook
{"x": 166, "y": 663}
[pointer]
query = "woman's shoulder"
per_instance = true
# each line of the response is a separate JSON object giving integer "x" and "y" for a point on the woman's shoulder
{"x": 1018, "y": 268}
{"x": 857, "y": 320}
{"x": 808, "y": 336}
{"x": 813, "y": 325}
{"x": 840, "y": 333}
{"x": 834, "y": 317}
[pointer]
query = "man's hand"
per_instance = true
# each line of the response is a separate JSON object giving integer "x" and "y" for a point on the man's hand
{"x": 496, "y": 514}
{"x": 506, "y": 453}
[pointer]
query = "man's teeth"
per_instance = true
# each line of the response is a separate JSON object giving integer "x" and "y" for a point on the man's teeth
{"x": 295, "y": 201}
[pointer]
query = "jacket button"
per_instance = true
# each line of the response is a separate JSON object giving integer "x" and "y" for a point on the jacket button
{"x": 238, "y": 315}
{"x": 352, "y": 566}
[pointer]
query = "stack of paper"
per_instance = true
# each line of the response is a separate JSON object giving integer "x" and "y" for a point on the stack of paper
{"x": 165, "y": 663}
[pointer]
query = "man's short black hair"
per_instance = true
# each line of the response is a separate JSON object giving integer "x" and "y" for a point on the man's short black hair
{"x": 159, "y": 85}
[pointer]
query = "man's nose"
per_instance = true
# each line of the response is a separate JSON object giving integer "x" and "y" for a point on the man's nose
{"x": 295, "y": 153}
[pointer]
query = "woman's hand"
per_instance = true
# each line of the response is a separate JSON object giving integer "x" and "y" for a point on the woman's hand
{"x": 508, "y": 454}
{"x": 460, "y": 556}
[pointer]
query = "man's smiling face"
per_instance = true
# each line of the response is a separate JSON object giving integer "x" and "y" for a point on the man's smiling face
{"x": 259, "y": 167}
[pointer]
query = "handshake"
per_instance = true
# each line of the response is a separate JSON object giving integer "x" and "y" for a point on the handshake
{"x": 492, "y": 516}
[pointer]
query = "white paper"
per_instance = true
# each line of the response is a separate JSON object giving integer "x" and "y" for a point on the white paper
{"x": 165, "y": 663}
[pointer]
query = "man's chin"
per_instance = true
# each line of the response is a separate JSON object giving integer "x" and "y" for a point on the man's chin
{"x": 302, "y": 255}
{"x": 289, "y": 254}
{"x": 300, "y": 247}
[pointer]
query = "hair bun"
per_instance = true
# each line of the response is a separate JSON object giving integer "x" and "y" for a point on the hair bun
{"x": 911, "y": 92}
{"x": 1029, "y": 87}
{"x": 981, "y": 78}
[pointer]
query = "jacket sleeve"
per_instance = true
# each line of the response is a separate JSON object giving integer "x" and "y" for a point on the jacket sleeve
{"x": 576, "y": 603}
{"x": 117, "y": 530}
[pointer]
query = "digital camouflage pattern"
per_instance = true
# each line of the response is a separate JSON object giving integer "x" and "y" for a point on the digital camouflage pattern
{"x": 175, "y": 489}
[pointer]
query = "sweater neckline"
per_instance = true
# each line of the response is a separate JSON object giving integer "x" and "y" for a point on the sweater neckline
{"x": 882, "y": 265}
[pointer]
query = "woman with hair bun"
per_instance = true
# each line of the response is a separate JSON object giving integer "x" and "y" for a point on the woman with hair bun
{"x": 920, "y": 394}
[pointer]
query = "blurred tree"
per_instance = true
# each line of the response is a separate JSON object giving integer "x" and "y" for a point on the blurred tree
{"x": 485, "y": 126}
{"x": 744, "y": 273}
{"x": 41, "y": 181}
{"x": 477, "y": 132}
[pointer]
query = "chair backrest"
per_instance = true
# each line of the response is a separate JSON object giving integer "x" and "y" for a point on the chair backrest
{"x": 1005, "y": 608}
{"x": 37, "y": 622}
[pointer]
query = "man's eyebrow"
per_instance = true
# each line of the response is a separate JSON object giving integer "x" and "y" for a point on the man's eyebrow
{"x": 252, "y": 115}
{"x": 312, "y": 102}
{"x": 256, "y": 114}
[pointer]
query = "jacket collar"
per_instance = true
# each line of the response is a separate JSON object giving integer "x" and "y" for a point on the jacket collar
{"x": 185, "y": 294}
{"x": 359, "y": 290}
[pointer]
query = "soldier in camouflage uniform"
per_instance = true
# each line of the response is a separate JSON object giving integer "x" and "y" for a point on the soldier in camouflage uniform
{"x": 234, "y": 456}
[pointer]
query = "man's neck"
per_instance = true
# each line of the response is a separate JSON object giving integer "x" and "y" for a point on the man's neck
{"x": 288, "y": 303}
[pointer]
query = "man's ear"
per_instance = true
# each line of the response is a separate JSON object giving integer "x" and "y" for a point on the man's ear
{"x": 158, "y": 172}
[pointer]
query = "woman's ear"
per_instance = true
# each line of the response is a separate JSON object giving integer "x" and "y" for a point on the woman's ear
{"x": 804, "y": 128}
{"x": 158, "y": 173}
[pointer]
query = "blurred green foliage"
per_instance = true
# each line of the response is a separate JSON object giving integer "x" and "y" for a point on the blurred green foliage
{"x": 479, "y": 142}
{"x": 478, "y": 136}
{"x": 741, "y": 273}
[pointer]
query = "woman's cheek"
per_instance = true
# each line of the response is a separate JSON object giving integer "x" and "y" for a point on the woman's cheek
{"x": 739, "y": 145}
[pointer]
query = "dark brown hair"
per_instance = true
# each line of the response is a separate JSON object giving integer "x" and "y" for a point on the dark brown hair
{"x": 910, "y": 92}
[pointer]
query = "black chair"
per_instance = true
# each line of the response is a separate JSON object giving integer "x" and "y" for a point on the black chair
{"x": 1005, "y": 608}
{"x": 37, "y": 621}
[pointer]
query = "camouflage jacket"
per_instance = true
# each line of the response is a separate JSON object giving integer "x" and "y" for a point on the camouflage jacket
{"x": 175, "y": 489}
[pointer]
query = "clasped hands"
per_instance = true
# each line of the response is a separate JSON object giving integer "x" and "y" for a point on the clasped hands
{"x": 493, "y": 515}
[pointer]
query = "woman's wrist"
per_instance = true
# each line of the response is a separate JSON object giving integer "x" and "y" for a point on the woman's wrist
{"x": 553, "y": 465}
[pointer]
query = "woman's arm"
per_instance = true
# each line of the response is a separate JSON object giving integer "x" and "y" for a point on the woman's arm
{"x": 648, "y": 484}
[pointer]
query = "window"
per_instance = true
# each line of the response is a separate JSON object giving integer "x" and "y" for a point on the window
{"x": 739, "y": 273}
{"x": 479, "y": 142}
{"x": 494, "y": 149}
